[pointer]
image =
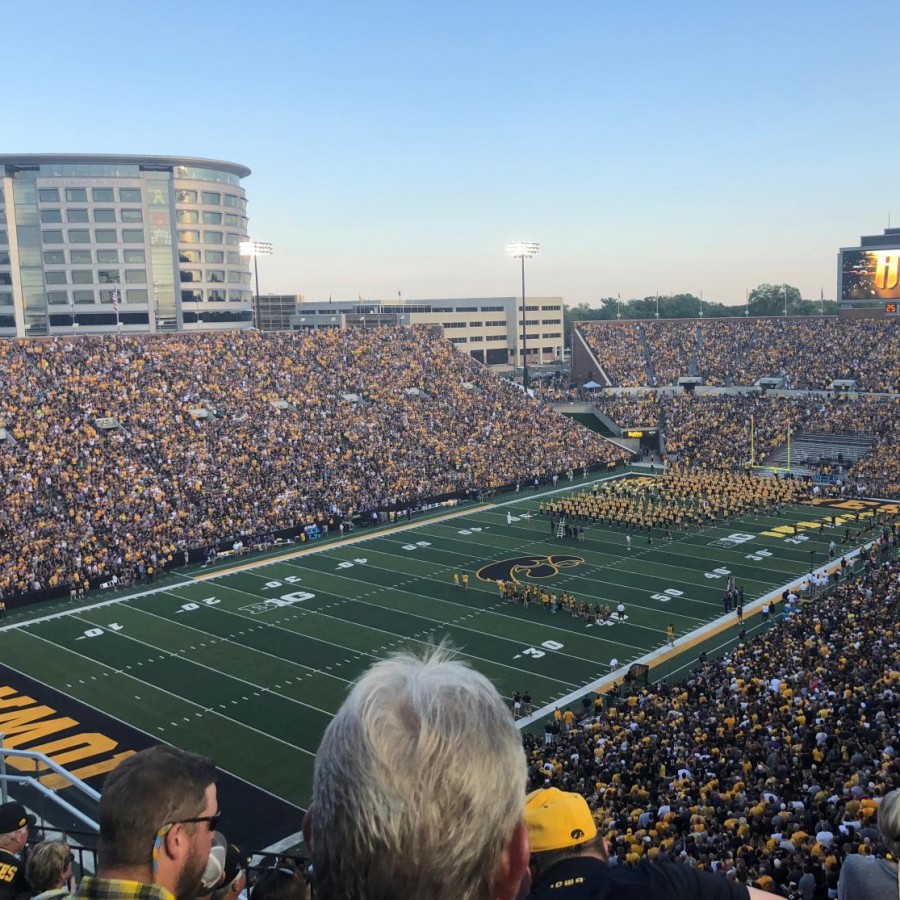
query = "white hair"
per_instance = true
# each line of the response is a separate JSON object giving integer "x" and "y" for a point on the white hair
{"x": 419, "y": 785}
{"x": 889, "y": 822}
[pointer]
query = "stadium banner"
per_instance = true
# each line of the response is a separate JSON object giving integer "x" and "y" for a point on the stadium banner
{"x": 90, "y": 743}
{"x": 870, "y": 274}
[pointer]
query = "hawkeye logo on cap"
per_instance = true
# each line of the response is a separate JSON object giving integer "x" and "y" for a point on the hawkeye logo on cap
{"x": 577, "y": 834}
{"x": 527, "y": 567}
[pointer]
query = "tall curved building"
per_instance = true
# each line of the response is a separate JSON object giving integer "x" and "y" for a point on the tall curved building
{"x": 135, "y": 243}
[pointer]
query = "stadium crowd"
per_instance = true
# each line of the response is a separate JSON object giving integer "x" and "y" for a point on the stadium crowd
{"x": 365, "y": 419}
{"x": 713, "y": 430}
{"x": 765, "y": 765}
{"x": 809, "y": 353}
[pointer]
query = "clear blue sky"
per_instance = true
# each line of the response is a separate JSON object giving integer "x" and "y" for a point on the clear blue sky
{"x": 648, "y": 145}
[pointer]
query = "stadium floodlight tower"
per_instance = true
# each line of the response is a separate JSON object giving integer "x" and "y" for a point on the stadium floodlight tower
{"x": 523, "y": 250}
{"x": 255, "y": 249}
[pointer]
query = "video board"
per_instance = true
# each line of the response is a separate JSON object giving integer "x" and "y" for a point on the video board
{"x": 870, "y": 274}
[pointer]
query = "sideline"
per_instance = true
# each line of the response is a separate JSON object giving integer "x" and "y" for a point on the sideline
{"x": 661, "y": 655}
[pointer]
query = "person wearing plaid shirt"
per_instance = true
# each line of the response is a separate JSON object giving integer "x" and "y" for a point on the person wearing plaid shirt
{"x": 158, "y": 814}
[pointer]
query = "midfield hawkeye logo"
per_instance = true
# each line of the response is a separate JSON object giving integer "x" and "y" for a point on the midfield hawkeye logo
{"x": 527, "y": 567}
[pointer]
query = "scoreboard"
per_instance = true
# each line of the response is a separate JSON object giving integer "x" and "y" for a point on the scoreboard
{"x": 870, "y": 275}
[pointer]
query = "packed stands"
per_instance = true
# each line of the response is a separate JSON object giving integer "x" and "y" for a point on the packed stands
{"x": 759, "y": 765}
{"x": 671, "y": 346}
{"x": 619, "y": 350}
{"x": 369, "y": 419}
{"x": 809, "y": 353}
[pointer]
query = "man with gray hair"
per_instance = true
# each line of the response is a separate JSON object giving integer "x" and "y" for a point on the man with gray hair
{"x": 419, "y": 788}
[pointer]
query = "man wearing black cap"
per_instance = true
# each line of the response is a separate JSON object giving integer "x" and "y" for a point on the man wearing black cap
{"x": 14, "y": 822}
{"x": 569, "y": 861}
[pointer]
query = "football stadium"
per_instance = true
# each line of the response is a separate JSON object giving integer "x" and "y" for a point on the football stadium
{"x": 690, "y": 609}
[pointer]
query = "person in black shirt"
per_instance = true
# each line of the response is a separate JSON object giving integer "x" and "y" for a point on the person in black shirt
{"x": 14, "y": 822}
{"x": 569, "y": 861}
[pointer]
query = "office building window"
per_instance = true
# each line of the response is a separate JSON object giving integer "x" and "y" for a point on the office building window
{"x": 76, "y": 215}
{"x": 76, "y": 195}
{"x": 51, "y": 215}
{"x": 132, "y": 215}
{"x": 132, "y": 235}
{"x": 55, "y": 278}
{"x": 103, "y": 195}
{"x": 130, "y": 195}
{"x": 80, "y": 257}
{"x": 48, "y": 237}
{"x": 104, "y": 215}
{"x": 135, "y": 256}
{"x": 136, "y": 276}
{"x": 54, "y": 258}
{"x": 107, "y": 256}
{"x": 185, "y": 196}
{"x": 106, "y": 236}
{"x": 214, "y": 256}
{"x": 48, "y": 195}
{"x": 211, "y": 198}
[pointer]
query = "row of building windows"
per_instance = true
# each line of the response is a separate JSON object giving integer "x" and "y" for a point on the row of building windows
{"x": 210, "y": 198}
{"x": 193, "y": 217}
{"x": 132, "y": 295}
{"x": 215, "y": 276}
{"x": 98, "y": 195}
{"x": 209, "y": 237}
{"x": 101, "y": 236}
{"x": 217, "y": 295}
{"x": 66, "y": 298}
{"x": 232, "y": 257}
{"x": 52, "y": 214}
{"x": 101, "y": 276}
{"x": 81, "y": 257}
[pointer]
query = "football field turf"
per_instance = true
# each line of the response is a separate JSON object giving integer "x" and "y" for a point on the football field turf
{"x": 248, "y": 661}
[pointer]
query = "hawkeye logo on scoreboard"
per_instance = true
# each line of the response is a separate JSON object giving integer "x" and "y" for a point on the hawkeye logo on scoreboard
{"x": 527, "y": 567}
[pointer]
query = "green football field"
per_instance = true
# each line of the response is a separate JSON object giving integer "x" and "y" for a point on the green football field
{"x": 248, "y": 661}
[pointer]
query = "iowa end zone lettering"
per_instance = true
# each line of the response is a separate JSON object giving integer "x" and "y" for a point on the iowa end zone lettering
{"x": 35, "y": 717}
{"x": 28, "y": 725}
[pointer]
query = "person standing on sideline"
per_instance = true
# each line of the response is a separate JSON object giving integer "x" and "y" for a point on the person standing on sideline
{"x": 670, "y": 635}
{"x": 465, "y": 581}
{"x": 509, "y": 518}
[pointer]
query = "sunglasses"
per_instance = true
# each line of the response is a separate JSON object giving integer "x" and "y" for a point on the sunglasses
{"x": 211, "y": 821}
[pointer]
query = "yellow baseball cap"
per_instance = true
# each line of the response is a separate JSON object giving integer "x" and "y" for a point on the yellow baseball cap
{"x": 556, "y": 819}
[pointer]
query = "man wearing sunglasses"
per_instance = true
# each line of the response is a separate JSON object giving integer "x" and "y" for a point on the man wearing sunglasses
{"x": 158, "y": 814}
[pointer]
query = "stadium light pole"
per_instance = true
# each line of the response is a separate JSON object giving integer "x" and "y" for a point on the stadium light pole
{"x": 523, "y": 250}
{"x": 657, "y": 304}
{"x": 255, "y": 249}
{"x": 784, "y": 288}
